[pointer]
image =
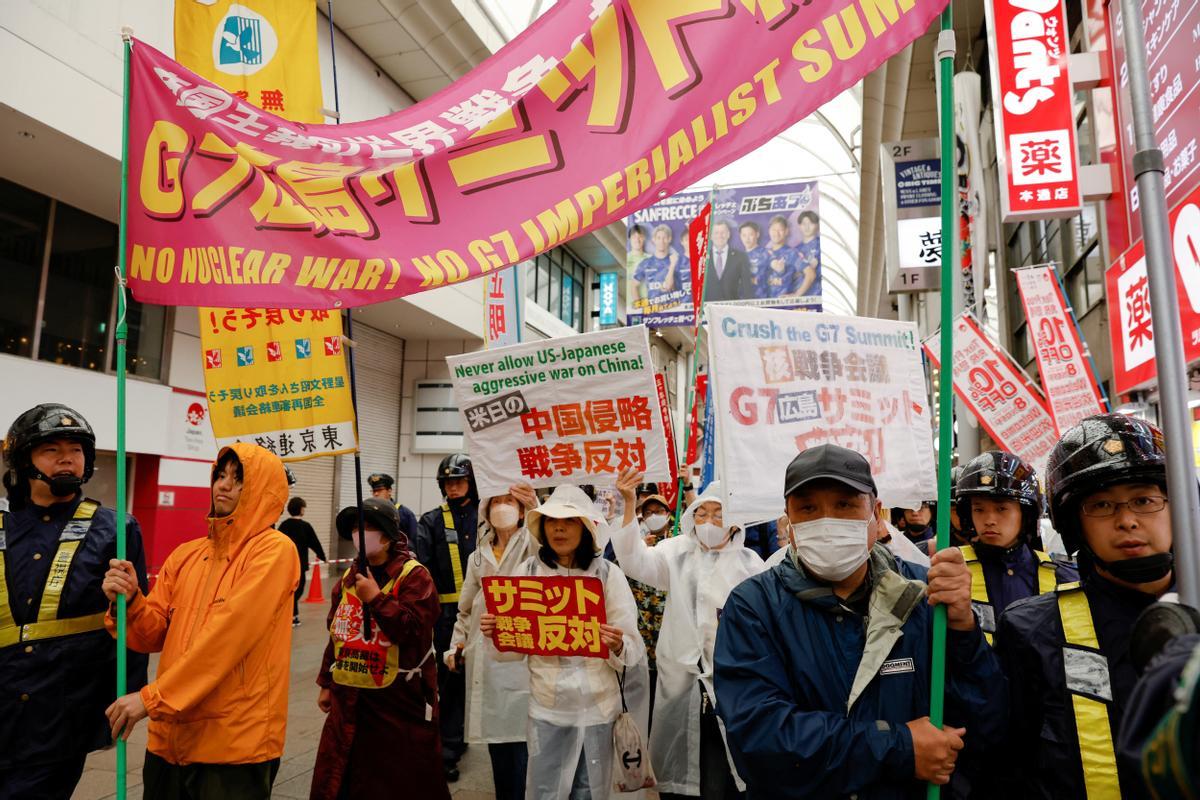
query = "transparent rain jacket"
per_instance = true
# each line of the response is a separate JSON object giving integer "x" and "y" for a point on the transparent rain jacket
{"x": 574, "y": 701}
{"x": 497, "y": 690}
{"x": 697, "y": 583}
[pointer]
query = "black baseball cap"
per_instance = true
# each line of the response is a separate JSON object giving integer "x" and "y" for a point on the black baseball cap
{"x": 831, "y": 462}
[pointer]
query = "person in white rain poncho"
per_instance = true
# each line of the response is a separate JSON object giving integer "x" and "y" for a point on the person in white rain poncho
{"x": 497, "y": 691}
{"x": 573, "y": 701}
{"x": 697, "y": 569}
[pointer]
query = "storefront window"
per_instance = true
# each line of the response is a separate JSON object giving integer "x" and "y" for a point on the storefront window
{"x": 147, "y": 328}
{"x": 566, "y": 314}
{"x": 23, "y": 219}
{"x": 79, "y": 290}
{"x": 577, "y": 300}
{"x": 74, "y": 287}
{"x": 555, "y": 290}
{"x": 543, "y": 276}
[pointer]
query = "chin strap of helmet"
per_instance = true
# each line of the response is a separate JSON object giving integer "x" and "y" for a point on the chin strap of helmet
{"x": 60, "y": 485}
{"x": 1143, "y": 569}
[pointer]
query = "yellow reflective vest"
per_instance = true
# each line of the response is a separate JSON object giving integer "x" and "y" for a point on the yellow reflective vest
{"x": 1090, "y": 687}
{"x": 1047, "y": 580}
{"x": 48, "y": 624}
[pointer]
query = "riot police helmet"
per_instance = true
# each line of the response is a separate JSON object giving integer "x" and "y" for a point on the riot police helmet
{"x": 1000, "y": 475}
{"x": 1101, "y": 451}
{"x": 457, "y": 465}
{"x": 44, "y": 423}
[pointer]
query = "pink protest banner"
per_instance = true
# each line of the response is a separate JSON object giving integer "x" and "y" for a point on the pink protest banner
{"x": 1066, "y": 372}
{"x": 992, "y": 386}
{"x": 548, "y": 139}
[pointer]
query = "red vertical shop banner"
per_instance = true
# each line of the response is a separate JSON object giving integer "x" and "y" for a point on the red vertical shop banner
{"x": 693, "y": 442}
{"x": 664, "y": 407}
{"x": 1066, "y": 372}
{"x": 1035, "y": 123}
{"x": 1132, "y": 335}
{"x": 698, "y": 230}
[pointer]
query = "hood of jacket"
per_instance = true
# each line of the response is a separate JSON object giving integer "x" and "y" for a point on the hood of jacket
{"x": 687, "y": 520}
{"x": 264, "y": 493}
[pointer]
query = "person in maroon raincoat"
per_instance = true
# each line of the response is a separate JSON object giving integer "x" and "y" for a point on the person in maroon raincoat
{"x": 381, "y": 736}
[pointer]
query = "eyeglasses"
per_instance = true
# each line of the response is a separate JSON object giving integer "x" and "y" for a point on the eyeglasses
{"x": 705, "y": 516}
{"x": 1149, "y": 504}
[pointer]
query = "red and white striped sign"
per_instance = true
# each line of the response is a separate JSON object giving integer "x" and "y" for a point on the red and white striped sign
{"x": 1066, "y": 373}
{"x": 989, "y": 382}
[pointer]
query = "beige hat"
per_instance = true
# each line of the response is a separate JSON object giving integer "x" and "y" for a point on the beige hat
{"x": 563, "y": 503}
{"x": 658, "y": 498}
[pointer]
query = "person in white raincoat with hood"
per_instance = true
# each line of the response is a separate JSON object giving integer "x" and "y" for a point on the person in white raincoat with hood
{"x": 573, "y": 701}
{"x": 697, "y": 569}
{"x": 497, "y": 691}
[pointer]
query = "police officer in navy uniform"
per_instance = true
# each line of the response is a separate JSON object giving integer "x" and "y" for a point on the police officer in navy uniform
{"x": 382, "y": 486}
{"x": 57, "y": 662}
{"x": 1066, "y": 653}
{"x": 445, "y": 538}
{"x": 999, "y": 506}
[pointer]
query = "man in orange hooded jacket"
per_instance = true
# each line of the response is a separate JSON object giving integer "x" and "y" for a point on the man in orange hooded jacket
{"x": 221, "y": 616}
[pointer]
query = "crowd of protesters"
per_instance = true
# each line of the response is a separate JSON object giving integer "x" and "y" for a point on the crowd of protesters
{"x": 785, "y": 659}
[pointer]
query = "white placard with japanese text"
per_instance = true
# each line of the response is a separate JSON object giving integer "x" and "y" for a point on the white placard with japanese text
{"x": 991, "y": 385}
{"x": 785, "y": 381}
{"x": 576, "y": 409}
{"x": 1066, "y": 373}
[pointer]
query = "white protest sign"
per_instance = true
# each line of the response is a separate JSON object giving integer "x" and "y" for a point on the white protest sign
{"x": 785, "y": 381}
{"x": 576, "y": 409}
{"x": 1066, "y": 372}
{"x": 992, "y": 386}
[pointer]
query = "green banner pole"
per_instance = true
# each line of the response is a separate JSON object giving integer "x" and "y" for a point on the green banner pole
{"x": 122, "y": 335}
{"x": 945, "y": 55}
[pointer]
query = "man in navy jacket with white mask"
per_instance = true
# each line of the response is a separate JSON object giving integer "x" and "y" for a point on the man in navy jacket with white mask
{"x": 822, "y": 663}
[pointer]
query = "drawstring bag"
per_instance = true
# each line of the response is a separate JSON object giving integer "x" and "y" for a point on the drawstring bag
{"x": 631, "y": 760}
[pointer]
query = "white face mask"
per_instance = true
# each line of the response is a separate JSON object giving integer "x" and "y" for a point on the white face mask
{"x": 504, "y": 516}
{"x": 656, "y": 522}
{"x": 831, "y": 548}
{"x": 376, "y": 543}
{"x": 710, "y": 535}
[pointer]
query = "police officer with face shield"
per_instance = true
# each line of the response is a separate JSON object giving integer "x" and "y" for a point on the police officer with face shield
{"x": 1067, "y": 652}
{"x": 57, "y": 662}
{"x": 446, "y": 537}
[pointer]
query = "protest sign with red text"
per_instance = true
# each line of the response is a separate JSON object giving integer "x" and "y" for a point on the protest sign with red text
{"x": 989, "y": 382}
{"x": 783, "y": 382}
{"x": 1067, "y": 377}
{"x": 577, "y": 409}
{"x": 547, "y": 616}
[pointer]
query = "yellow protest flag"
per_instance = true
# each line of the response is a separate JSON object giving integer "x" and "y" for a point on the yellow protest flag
{"x": 278, "y": 378}
{"x": 265, "y": 51}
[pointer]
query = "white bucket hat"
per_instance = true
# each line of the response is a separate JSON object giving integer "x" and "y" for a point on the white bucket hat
{"x": 566, "y": 502}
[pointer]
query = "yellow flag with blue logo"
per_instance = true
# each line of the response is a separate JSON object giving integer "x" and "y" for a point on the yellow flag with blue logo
{"x": 265, "y": 51}
{"x": 275, "y": 377}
